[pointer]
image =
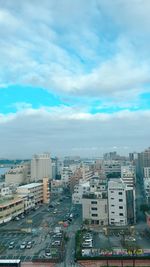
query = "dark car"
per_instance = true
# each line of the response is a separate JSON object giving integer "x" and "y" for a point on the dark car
{"x": 51, "y": 206}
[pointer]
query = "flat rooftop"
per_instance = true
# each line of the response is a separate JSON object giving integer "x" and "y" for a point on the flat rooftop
{"x": 32, "y": 185}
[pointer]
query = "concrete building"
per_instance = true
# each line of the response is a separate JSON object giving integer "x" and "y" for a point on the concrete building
{"x": 18, "y": 175}
{"x": 121, "y": 203}
{"x": 147, "y": 190}
{"x": 66, "y": 174}
{"x": 95, "y": 202}
{"x": 79, "y": 190}
{"x": 128, "y": 175}
{"x": 10, "y": 207}
{"x": 4, "y": 190}
{"x": 46, "y": 190}
{"x": 146, "y": 172}
{"x": 39, "y": 191}
{"x": 41, "y": 167}
{"x": 143, "y": 161}
{"x": 112, "y": 167}
{"x": 56, "y": 187}
{"x": 84, "y": 173}
{"x": 95, "y": 209}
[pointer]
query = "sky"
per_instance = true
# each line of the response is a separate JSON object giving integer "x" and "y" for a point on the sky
{"x": 74, "y": 77}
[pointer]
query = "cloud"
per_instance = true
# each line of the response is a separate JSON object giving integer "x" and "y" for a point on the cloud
{"x": 47, "y": 48}
{"x": 73, "y": 132}
{"x": 93, "y": 55}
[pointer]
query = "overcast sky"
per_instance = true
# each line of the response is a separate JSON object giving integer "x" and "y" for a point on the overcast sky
{"x": 74, "y": 77}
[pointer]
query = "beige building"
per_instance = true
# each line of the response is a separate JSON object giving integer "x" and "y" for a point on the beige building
{"x": 95, "y": 203}
{"x": 18, "y": 175}
{"x": 56, "y": 186}
{"x": 95, "y": 209}
{"x": 10, "y": 207}
{"x": 46, "y": 191}
{"x": 41, "y": 166}
{"x": 39, "y": 191}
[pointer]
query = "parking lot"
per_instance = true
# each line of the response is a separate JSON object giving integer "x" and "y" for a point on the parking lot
{"x": 33, "y": 234}
{"x": 117, "y": 242}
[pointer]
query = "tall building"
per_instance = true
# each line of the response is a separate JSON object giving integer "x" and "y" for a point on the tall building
{"x": 143, "y": 161}
{"x": 41, "y": 167}
{"x": 121, "y": 203}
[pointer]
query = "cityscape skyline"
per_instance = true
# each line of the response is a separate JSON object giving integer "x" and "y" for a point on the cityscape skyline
{"x": 74, "y": 77}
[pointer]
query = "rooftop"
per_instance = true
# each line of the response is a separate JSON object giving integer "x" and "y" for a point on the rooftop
{"x": 32, "y": 185}
{"x": 9, "y": 199}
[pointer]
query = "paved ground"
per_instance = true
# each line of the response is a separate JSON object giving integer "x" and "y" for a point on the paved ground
{"x": 42, "y": 223}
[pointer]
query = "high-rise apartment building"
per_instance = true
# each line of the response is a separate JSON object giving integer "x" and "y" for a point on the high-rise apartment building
{"x": 41, "y": 167}
{"x": 121, "y": 203}
{"x": 143, "y": 161}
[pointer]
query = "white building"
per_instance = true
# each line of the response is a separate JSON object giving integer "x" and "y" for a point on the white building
{"x": 66, "y": 174}
{"x": 4, "y": 190}
{"x": 147, "y": 189}
{"x": 128, "y": 175}
{"x": 112, "y": 167}
{"x": 146, "y": 172}
{"x": 41, "y": 167}
{"x": 79, "y": 190}
{"x": 121, "y": 203}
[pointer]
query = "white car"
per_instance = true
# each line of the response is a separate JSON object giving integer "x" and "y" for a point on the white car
{"x": 23, "y": 245}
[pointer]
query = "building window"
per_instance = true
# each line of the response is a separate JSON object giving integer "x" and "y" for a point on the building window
{"x": 94, "y": 215}
{"x": 112, "y": 198}
{"x": 93, "y": 202}
{"x": 111, "y": 191}
{"x": 112, "y": 205}
{"x": 120, "y": 193}
{"x": 120, "y": 214}
{"x": 120, "y": 207}
{"x": 93, "y": 208}
{"x": 112, "y": 212}
{"x": 120, "y": 200}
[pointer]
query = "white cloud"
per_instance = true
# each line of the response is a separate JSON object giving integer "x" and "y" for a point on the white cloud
{"x": 70, "y": 131}
{"x": 62, "y": 46}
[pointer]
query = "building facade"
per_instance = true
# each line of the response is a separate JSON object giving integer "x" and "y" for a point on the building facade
{"x": 41, "y": 167}
{"x": 121, "y": 203}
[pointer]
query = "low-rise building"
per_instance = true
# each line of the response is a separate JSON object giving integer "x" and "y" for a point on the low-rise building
{"x": 39, "y": 191}
{"x": 4, "y": 190}
{"x": 95, "y": 209}
{"x": 95, "y": 202}
{"x": 10, "y": 207}
{"x": 56, "y": 187}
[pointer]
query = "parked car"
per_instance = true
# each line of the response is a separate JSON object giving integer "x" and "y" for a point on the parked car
{"x": 48, "y": 252}
{"x": 29, "y": 244}
{"x": 56, "y": 243}
{"x": 23, "y": 245}
{"x": 11, "y": 245}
